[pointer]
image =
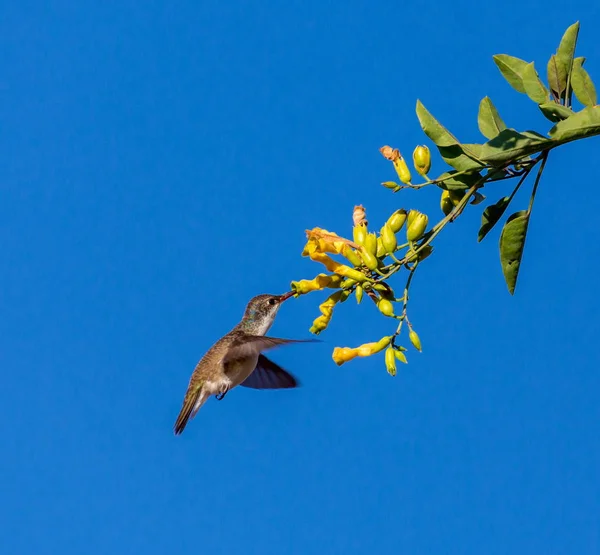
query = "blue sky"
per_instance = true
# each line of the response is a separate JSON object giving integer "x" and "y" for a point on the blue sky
{"x": 160, "y": 163}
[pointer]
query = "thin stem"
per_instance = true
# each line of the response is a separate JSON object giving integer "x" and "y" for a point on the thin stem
{"x": 403, "y": 316}
{"x": 537, "y": 181}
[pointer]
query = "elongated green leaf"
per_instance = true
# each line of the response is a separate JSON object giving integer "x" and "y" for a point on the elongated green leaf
{"x": 566, "y": 48}
{"x": 581, "y": 124}
{"x": 451, "y": 182}
{"x": 582, "y": 84}
{"x": 433, "y": 128}
{"x": 510, "y": 145}
{"x": 460, "y": 157}
{"x": 512, "y": 70}
{"x": 555, "y": 112}
{"x": 455, "y": 156}
{"x": 533, "y": 85}
{"x": 557, "y": 77}
{"x": 490, "y": 217}
{"x": 512, "y": 243}
{"x": 489, "y": 121}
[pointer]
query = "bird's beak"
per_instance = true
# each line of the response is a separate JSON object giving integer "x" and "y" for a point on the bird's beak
{"x": 286, "y": 296}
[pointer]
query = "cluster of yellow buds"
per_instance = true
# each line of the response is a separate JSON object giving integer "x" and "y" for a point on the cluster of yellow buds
{"x": 365, "y": 255}
{"x": 421, "y": 161}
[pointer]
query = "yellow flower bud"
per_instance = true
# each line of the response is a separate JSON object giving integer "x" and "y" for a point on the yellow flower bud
{"x": 380, "y": 248}
{"x": 351, "y": 255}
{"x": 390, "y": 361}
{"x": 371, "y": 243}
{"x": 422, "y": 160}
{"x": 359, "y": 233}
{"x": 369, "y": 259}
{"x": 390, "y": 184}
{"x": 446, "y": 203}
{"x": 388, "y": 238}
{"x": 402, "y": 169}
{"x": 396, "y": 220}
{"x": 359, "y": 293}
{"x": 414, "y": 339}
{"x": 400, "y": 356}
{"x": 456, "y": 196}
{"x": 417, "y": 225}
{"x": 385, "y": 307}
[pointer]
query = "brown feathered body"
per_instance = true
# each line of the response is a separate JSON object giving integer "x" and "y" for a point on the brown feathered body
{"x": 236, "y": 359}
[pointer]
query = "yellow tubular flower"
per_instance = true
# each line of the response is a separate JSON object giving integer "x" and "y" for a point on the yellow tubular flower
{"x": 345, "y": 354}
{"x": 327, "y": 241}
{"x": 326, "y": 308}
{"x": 316, "y": 284}
{"x": 311, "y": 250}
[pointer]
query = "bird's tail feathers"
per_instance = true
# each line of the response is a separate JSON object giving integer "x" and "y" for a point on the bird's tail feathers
{"x": 194, "y": 399}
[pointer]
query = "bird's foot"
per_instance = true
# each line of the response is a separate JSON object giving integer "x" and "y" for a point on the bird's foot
{"x": 220, "y": 396}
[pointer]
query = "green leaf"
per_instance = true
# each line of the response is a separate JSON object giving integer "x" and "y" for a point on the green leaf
{"x": 557, "y": 77}
{"x": 555, "y": 112}
{"x": 490, "y": 217}
{"x": 566, "y": 48}
{"x": 433, "y": 128}
{"x": 511, "y": 145}
{"x": 512, "y": 70}
{"x": 489, "y": 121}
{"x": 462, "y": 182}
{"x": 533, "y": 85}
{"x": 581, "y": 124}
{"x": 478, "y": 198}
{"x": 582, "y": 84}
{"x": 460, "y": 157}
{"x": 512, "y": 243}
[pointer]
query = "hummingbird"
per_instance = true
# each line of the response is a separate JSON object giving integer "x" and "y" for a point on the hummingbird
{"x": 237, "y": 359}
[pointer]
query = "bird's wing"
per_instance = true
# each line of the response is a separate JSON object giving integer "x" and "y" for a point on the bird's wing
{"x": 269, "y": 375}
{"x": 249, "y": 345}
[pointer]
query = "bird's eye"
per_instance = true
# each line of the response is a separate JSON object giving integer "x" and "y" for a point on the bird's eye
{"x": 271, "y": 301}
